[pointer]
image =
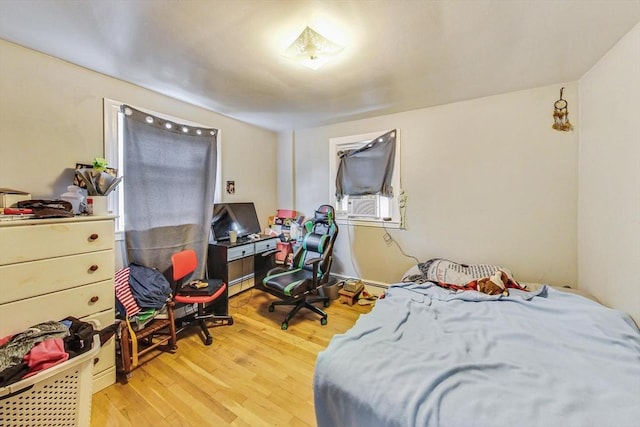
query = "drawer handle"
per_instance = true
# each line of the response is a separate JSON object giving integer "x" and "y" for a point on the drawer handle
{"x": 94, "y": 236}
{"x": 93, "y": 267}
{"x": 94, "y": 298}
{"x": 96, "y": 360}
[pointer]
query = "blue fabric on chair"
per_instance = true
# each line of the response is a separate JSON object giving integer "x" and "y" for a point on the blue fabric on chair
{"x": 149, "y": 287}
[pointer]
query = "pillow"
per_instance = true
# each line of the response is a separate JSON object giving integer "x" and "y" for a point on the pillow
{"x": 410, "y": 274}
{"x": 440, "y": 270}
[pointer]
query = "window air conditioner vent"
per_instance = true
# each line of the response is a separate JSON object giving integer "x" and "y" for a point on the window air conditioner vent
{"x": 363, "y": 206}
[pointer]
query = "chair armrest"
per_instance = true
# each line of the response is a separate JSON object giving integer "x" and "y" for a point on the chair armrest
{"x": 313, "y": 261}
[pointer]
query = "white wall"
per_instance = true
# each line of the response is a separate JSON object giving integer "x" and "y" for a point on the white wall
{"x": 609, "y": 178}
{"x": 285, "y": 170}
{"x": 488, "y": 180}
{"x": 51, "y": 117}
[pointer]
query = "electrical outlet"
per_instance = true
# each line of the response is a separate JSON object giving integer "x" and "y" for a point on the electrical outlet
{"x": 387, "y": 238}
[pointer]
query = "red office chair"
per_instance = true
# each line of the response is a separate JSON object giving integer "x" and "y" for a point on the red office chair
{"x": 184, "y": 263}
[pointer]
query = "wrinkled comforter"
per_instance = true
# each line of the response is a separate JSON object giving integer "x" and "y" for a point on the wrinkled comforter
{"x": 426, "y": 356}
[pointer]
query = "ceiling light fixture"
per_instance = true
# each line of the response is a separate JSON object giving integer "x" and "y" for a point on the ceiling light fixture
{"x": 311, "y": 49}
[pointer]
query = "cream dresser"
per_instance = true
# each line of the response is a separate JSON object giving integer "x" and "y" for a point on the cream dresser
{"x": 54, "y": 268}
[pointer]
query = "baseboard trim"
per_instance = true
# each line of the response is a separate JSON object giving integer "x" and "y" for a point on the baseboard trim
{"x": 373, "y": 283}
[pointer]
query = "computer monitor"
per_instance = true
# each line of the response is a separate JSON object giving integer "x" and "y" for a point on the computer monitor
{"x": 241, "y": 217}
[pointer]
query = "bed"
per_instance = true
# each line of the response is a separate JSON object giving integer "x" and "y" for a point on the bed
{"x": 428, "y": 356}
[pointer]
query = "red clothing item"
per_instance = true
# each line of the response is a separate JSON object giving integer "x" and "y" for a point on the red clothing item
{"x": 44, "y": 355}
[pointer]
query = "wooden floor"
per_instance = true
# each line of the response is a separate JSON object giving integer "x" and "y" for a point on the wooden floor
{"x": 254, "y": 373}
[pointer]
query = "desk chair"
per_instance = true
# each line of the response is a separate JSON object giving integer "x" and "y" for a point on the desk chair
{"x": 184, "y": 264}
{"x": 299, "y": 285}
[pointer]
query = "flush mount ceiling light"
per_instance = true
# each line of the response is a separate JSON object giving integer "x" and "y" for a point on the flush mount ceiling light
{"x": 311, "y": 49}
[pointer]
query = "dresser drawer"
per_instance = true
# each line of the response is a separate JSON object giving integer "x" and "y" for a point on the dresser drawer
{"x": 29, "y": 279}
{"x": 266, "y": 245}
{"x": 34, "y": 242}
{"x": 78, "y": 302}
{"x": 239, "y": 252}
{"x": 106, "y": 357}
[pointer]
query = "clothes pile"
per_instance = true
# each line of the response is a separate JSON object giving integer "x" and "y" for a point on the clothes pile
{"x": 45, "y": 345}
{"x": 141, "y": 295}
{"x": 485, "y": 278}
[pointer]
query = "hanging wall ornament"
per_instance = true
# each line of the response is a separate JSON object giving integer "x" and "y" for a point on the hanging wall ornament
{"x": 561, "y": 115}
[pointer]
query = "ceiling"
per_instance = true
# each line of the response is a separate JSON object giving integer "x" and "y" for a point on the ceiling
{"x": 226, "y": 55}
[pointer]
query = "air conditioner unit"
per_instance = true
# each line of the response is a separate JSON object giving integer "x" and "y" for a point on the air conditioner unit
{"x": 363, "y": 206}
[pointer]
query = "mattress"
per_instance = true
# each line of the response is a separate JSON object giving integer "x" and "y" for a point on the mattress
{"x": 426, "y": 356}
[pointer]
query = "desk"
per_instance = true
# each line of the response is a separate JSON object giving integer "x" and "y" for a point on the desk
{"x": 242, "y": 264}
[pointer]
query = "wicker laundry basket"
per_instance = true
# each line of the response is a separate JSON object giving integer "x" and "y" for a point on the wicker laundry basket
{"x": 56, "y": 397}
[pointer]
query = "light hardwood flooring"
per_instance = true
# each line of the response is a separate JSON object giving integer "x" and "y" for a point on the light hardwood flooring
{"x": 254, "y": 373}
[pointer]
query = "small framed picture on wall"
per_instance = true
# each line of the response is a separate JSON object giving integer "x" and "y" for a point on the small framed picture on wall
{"x": 231, "y": 187}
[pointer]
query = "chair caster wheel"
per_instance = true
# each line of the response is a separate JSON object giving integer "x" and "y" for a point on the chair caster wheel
{"x": 271, "y": 308}
{"x": 230, "y": 322}
{"x": 326, "y": 304}
{"x": 284, "y": 326}
{"x": 323, "y": 321}
{"x": 208, "y": 341}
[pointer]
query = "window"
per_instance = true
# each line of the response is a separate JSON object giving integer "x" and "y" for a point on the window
{"x": 113, "y": 150}
{"x": 370, "y": 193}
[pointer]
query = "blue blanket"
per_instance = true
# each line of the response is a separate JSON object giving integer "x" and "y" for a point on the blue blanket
{"x": 425, "y": 356}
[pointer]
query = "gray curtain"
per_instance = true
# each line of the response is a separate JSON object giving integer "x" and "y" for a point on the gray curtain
{"x": 367, "y": 170}
{"x": 168, "y": 189}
